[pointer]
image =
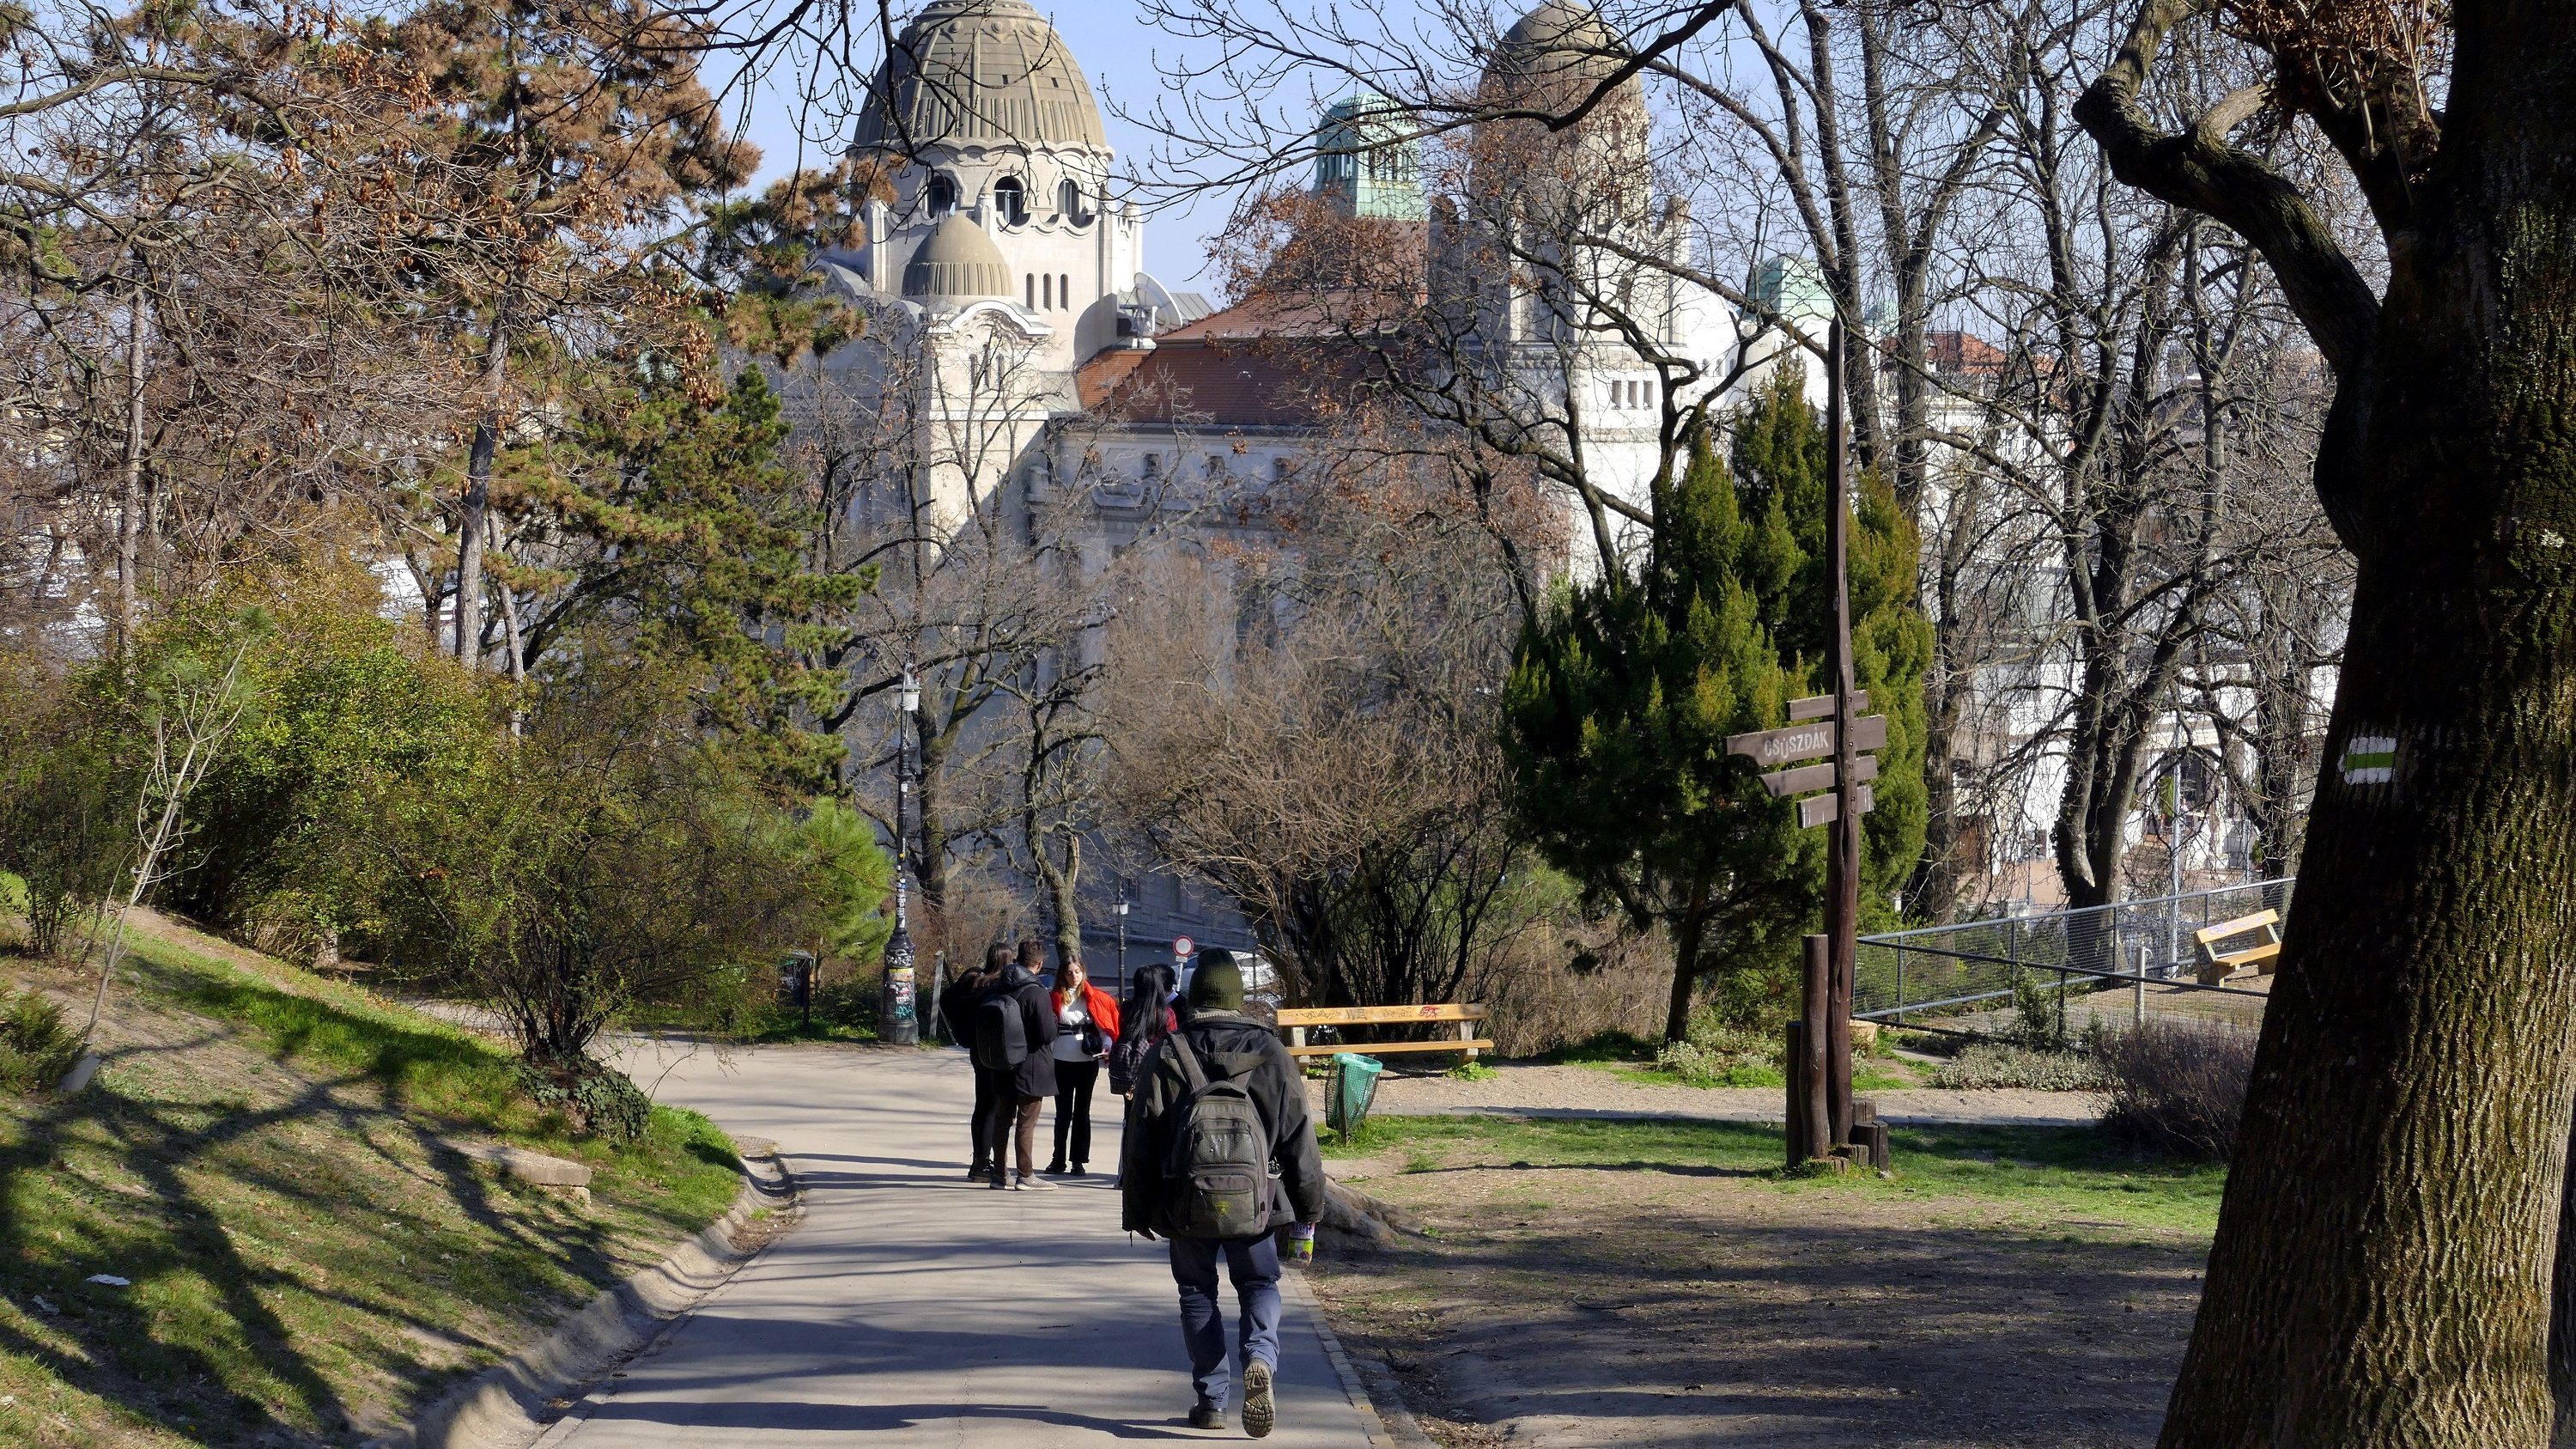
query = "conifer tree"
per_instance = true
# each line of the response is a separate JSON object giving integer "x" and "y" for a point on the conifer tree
{"x": 1622, "y": 697}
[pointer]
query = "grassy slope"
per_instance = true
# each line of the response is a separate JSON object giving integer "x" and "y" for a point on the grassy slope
{"x": 2011, "y": 1176}
{"x": 263, "y": 1158}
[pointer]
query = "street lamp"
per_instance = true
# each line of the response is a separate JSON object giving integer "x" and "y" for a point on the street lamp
{"x": 1122, "y": 935}
{"x": 897, "y": 1022}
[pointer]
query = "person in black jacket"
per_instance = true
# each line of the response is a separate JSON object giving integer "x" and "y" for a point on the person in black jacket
{"x": 1227, "y": 1046}
{"x": 1026, "y": 1087}
{"x": 957, "y": 1005}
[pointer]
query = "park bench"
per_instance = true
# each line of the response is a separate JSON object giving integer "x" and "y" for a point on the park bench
{"x": 2264, "y": 954}
{"x": 1296, "y": 1019}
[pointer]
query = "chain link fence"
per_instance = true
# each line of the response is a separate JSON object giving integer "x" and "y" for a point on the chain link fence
{"x": 2125, "y": 961}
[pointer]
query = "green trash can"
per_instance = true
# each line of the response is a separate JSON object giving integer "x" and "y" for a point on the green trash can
{"x": 1353, "y": 1087}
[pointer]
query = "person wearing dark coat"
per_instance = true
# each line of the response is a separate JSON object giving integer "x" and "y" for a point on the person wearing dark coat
{"x": 1026, "y": 1087}
{"x": 1226, "y": 1045}
{"x": 957, "y": 1004}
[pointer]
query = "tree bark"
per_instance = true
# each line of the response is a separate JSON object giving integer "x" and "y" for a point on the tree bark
{"x": 2384, "y": 1258}
{"x": 129, "y": 511}
{"x": 1687, "y": 940}
{"x": 475, "y": 508}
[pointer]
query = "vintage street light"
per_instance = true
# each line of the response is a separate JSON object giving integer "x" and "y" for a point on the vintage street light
{"x": 898, "y": 1024}
{"x": 1122, "y": 935}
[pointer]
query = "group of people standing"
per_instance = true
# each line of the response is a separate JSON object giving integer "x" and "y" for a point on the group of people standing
{"x": 1219, "y": 1158}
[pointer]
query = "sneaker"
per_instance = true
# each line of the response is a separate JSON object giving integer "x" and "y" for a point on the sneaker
{"x": 999, "y": 1181}
{"x": 1055, "y": 1168}
{"x": 1027, "y": 1182}
{"x": 1207, "y": 1416}
{"x": 980, "y": 1172}
{"x": 1081, "y": 1171}
{"x": 1260, "y": 1411}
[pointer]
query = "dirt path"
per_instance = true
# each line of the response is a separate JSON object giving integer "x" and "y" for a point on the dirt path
{"x": 1583, "y": 1091}
{"x": 1662, "y": 1306}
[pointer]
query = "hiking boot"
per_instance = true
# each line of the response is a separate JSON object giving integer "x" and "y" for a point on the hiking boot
{"x": 1027, "y": 1182}
{"x": 1260, "y": 1411}
{"x": 1207, "y": 1416}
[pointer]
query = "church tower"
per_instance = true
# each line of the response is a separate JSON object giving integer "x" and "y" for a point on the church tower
{"x": 985, "y": 123}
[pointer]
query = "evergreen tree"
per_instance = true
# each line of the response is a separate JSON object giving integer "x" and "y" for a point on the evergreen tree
{"x": 1622, "y": 697}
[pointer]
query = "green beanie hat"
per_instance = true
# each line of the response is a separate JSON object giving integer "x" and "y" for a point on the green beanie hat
{"x": 1217, "y": 984}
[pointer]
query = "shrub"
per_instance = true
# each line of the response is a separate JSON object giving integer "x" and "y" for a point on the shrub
{"x": 2179, "y": 1085}
{"x": 599, "y": 1100}
{"x": 1992, "y": 1065}
{"x": 1719, "y": 1054}
{"x": 36, "y": 1049}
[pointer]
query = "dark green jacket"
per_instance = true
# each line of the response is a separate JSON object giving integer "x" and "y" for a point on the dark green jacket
{"x": 1229, "y": 1045}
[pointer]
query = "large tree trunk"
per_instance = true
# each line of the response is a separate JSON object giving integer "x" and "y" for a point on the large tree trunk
{"x": 129, "y": 510}
{"x": 1689, "y": 933}
{"x": 2383, "y": 1264}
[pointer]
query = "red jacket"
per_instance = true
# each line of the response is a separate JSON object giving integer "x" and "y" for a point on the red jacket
{"x": 1099, "y": 1006}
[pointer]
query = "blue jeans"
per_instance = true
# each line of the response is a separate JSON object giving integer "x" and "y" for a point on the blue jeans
{"x": 1253, "y": 1264}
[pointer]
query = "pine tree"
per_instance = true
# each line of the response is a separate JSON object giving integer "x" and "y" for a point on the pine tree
{"x": 1622, "y": 697}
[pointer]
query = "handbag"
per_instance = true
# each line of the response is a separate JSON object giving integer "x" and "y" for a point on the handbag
{"x": 1094, "y": 1040}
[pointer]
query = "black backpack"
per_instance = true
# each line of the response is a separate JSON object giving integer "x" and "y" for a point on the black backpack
{"x": 1001, "y": 1035}
{"x": 1217, "y": 1169}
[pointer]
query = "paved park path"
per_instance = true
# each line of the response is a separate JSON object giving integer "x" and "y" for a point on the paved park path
{"x": 914, "y": 1307}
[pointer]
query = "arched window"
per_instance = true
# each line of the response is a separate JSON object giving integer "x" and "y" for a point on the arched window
{"x": 1068, "y": 199}
{"x": 940, "y": 197}
{"x": 1030, "y": 281}
{"x": 1064, "y": 289}
{"x": 1011, "y": 199}
{"x": 1046, "y": 290}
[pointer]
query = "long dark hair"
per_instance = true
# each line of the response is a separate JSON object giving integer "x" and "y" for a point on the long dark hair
{"x": 1149, "y": 993}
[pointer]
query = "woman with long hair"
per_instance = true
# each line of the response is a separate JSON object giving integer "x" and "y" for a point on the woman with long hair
{"x": 1146, "y": 1020}
{"x": 1086, "y": 1029}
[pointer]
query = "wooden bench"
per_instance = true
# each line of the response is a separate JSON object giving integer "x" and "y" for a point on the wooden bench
{"x": 1296, "y": 1019}
{"x": 2265, "y": 954}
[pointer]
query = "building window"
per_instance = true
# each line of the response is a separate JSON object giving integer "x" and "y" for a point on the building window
{"x": 1029, "y": 283}
{"x": 1064, "y": 289}
{"x": 1068, "y": 199}
{"x": 1046, "y": 291}
{"x": 1011, "y": 199}
{"x": 940, "y": 197}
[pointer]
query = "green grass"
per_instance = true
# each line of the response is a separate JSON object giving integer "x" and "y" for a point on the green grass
{"x": 304, "y": 1251}
{"x": 2062, "y": 1172}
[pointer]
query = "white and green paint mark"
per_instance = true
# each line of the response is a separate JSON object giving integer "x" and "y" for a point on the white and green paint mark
{"x": 2369, "y": 760}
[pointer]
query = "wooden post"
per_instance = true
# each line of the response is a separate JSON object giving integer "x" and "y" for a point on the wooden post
{"x": 1812, "y": 1104}
{"x": 1842, "y": 870}
{"x": 1467, "y": 1032}
{"x": 1794, "y": 1114}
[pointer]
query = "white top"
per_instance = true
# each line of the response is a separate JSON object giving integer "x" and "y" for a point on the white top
{"x": 1068, "y": 1032}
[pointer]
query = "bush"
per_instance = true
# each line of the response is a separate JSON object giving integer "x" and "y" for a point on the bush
{"x": 1987, "y": 1065}
{"x": 599, "y": 1100}
{"x": 36, "y": 1049}
{"x": 2179, "y": 1085}
{"x": 1718, "y": 1054}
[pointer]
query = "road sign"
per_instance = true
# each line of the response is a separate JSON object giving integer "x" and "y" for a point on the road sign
{"x": 1816, "y": 777}
{"x": 1818, "y": 810}
{"x": 1821, "y": 706}
{"x": 1806, "y": 741}
{"x": 1183, "y": 945}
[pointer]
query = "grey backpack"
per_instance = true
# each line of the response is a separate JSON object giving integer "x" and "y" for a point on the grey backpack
{"x": 1217, "y": 1169}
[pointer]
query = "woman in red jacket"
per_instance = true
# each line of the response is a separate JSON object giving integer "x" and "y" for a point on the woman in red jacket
{"x": 1086, "y": 1028}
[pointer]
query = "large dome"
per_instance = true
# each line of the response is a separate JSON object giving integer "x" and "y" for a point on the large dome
{"x": 1554, "y": 57}
{"x": 957, "y": 260}
{"x": 980, "y": 72}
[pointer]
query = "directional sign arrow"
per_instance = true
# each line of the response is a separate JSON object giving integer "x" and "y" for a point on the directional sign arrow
{"x": 1770, "y": 748}
{"x": 1821, "y": 706}
{"x": 1818, "y": 810}
{"x": 1816, "y": 777}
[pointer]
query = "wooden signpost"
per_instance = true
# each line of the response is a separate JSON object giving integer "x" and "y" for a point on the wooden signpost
{"x": 1822, "y": 1114}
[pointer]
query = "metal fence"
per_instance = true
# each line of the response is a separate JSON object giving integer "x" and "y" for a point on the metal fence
{"x": 1974, "y": 976}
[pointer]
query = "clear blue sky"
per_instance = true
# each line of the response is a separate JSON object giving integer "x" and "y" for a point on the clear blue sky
{"x": 1116, "y": 51}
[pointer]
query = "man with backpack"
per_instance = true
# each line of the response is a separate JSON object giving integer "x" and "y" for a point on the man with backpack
{"x": 1220, "y": 1154}
{"x": 1014, "y": 1028}
{"x": 957, "y": 1006}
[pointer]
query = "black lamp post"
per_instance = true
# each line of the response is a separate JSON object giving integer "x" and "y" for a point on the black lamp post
{"x": 898, "y": 1024}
